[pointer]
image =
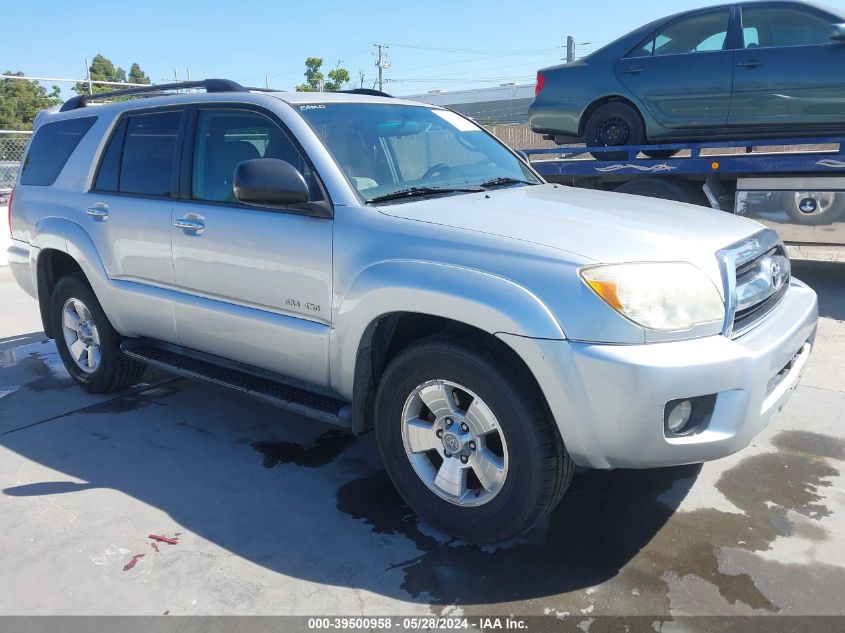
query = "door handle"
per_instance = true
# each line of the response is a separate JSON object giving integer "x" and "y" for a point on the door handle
{"x": 98, "y": 211}
{"x": 188, "y": 225}
{"x": 750, "y": 63}
{"x": 633, "y": 70}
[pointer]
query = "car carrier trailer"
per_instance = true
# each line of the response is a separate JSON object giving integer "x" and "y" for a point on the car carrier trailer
{"x": 796, "y": 186}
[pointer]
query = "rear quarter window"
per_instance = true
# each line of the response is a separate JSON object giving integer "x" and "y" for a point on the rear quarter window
{"x": 50, "y": 149}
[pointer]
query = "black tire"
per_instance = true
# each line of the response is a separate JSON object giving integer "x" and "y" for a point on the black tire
{"x": 115, "y": 371}
{"x": 659, "y": 154}
{"x": 614, "y": 123}
{"x": 791, "y": 201}
{"x": 539, "y": 468}
{"x": 664, "y": 188}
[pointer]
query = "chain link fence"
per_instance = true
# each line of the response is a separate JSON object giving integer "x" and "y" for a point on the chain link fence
{"x": 12, "y": 144}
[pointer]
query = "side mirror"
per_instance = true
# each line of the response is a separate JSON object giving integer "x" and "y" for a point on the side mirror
{"x": 838, "y": 33}
{"x": 269, "y": 182}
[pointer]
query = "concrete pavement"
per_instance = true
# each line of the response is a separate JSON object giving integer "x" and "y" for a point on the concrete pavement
{"x": 279, "y": 515}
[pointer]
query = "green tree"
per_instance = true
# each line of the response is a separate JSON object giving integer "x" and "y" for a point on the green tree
{"x": 136, "y": 75}
{"x": 338, "y": 78}
{"x": 103, "y": 69}
{"x": 21, "y": 100}
{"x": 314, "y": 77}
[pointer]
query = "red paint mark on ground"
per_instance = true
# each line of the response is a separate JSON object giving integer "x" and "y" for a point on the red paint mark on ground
{"x": 164, "y": 539}
{"x": 155, "y": 547}
{"x": 133, "y": 562}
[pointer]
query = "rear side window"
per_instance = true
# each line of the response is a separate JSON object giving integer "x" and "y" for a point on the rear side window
{"x": 50, "y": 149}
{"x": 784, "y": 26}
{"x": 141, "y": 155}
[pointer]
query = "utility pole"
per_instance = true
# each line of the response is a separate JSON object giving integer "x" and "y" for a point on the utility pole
{"x": 88, "y": 77}
{"x": 570, "y": 49}
{"x": 381, "y": 64}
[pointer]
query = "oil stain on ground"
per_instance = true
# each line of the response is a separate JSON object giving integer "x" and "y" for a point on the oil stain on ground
{"x": 325, "y": 449}
{"x": 616, "y": 539}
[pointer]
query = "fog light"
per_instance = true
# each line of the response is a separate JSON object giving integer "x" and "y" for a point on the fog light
{"x": 678, "y": 416}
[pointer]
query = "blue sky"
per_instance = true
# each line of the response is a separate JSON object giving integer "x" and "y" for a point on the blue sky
{"x": 487, "y": 42}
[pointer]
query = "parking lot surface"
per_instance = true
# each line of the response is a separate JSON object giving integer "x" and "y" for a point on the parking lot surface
{"x": 184, "y": 498}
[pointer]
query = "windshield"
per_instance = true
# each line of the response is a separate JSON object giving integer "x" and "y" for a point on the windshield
{"x": 384, "y": 149}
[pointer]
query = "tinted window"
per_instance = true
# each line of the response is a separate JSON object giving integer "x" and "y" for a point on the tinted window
{"x": 227, "y": 137}
{"x": 149, "y": 153}
{"x": 782, "y": 26}
{"x": 699, "y": 33}
{"x": 50, "y": 149}
{"x": 107, "y": 177}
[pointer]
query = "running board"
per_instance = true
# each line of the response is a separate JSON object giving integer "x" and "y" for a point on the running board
{"x": 255, "y": 382}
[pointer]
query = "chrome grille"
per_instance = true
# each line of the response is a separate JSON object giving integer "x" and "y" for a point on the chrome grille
{"x": 757, "y": 274}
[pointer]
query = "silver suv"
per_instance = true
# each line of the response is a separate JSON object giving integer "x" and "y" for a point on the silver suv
{"x": 380, "y": 264}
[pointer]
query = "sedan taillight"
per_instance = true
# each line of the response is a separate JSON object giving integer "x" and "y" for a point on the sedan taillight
{"x": 541, "y": 81}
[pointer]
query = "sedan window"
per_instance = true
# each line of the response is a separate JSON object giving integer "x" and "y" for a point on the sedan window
{"x": 782, "y": 26}
{"x": 698, "y": 33}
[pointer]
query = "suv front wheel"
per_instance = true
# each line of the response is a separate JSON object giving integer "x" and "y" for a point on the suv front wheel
{"x": 468, "y": 441}
{"x": 87, "y": 343}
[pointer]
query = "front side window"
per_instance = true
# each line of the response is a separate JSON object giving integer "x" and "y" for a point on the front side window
{"x": 227, "y": 137}
{"x": 384, "y": 148}
{"x": 784, "y": 26}
{"x": 50, "y": 149}
{"x": 700, "y": 33}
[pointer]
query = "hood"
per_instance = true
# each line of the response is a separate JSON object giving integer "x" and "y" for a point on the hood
{"x": 600, "y": 226}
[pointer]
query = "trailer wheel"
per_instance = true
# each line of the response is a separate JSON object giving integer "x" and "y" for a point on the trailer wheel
{"x": 665, "y": 188}
{"x": 811, "y": 208}
{"x": 657, "y": 154}
{"x": 614, "y": 123}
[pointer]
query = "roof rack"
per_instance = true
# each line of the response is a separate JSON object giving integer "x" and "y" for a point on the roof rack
{"x": 366, "y": 91}
{"x": 210, "y": 85}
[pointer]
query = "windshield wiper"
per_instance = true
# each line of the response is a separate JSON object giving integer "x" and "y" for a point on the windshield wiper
{"x": 416, "y": 192}
{"x": 504, "y": 181}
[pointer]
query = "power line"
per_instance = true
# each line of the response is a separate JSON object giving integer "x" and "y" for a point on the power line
{"x": 535, "y": 51}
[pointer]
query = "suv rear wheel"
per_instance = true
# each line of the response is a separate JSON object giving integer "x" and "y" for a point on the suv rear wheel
{"x": 468, "y": 441}
{"x": 88, "y": 344}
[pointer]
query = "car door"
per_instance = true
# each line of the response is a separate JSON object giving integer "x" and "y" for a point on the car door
{"x": 789, "y": 71}
{"x": 254, "y": 283}
{"x": 128, "y": 217}
{"x": 682, "y": 73}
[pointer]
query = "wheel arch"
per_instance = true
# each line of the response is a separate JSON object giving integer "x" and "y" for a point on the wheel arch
{"x": 611, "y": 98}
{"x": 395, "y": 302}
{"x": 65, "y": 248}
{"x": 389, "y": 334}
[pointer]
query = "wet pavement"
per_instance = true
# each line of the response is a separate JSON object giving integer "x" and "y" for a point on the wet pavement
{"x": 274, "y": 514}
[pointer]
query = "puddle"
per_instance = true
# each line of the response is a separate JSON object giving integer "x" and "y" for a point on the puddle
{"x": 325, "y": 449}
{"x": 614, "y": 531}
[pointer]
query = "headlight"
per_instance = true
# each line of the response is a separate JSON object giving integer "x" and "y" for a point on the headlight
{"x": 671, "y": 296}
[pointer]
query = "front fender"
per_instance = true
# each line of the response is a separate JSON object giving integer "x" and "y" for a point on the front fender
{"x": 484, "y": 301}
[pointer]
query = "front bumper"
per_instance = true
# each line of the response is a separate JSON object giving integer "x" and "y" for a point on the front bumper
{"x": 609, "y": 400}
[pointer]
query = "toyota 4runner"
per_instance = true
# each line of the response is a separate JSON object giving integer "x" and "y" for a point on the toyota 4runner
{"x": 380, "y": 264}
